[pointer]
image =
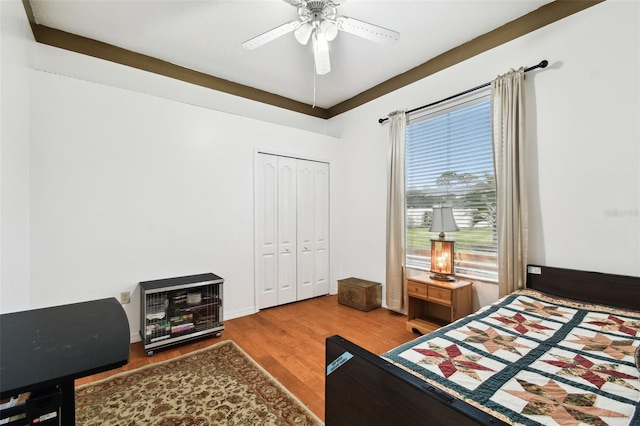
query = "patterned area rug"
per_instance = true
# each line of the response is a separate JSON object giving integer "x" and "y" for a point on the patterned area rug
{"x": 218, "y": 385}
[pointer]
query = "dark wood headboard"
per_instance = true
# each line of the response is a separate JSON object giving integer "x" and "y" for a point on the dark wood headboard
{"x": 606, "y": 289}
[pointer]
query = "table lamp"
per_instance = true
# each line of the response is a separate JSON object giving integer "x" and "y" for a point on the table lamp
{"x": 441, "y": 248}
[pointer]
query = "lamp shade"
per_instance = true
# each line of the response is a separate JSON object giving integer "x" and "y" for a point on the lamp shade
{"x": 443, "y": 220}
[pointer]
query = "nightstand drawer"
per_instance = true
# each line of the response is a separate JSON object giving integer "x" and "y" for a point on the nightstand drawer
{"x": 432, "y": 304}
{"x": 417, "y": 289}
{"x": 439, "y": 295}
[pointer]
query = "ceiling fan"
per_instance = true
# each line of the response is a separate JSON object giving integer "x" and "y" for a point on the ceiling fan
{"x": 319, "y": 21}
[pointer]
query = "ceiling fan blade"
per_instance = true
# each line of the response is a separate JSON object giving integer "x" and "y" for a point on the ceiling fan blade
{"x": 321, "y": 53}
{"x": 295, "y": 3}
{"x": 303, "y": 34}
{"x": 271, "y": 35}
{"x": 366, "y": 30}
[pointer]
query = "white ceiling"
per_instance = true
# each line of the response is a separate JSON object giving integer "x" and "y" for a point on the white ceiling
{"x": 206, "y": 35}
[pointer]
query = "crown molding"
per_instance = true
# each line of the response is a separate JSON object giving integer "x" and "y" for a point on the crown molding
{"x": 532, "y": 21}
{"x": 100, "y": 50}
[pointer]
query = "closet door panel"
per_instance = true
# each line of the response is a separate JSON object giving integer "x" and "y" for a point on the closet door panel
{"x": 305, "y": 285}
{"x": 305, "y": 221}
{"x": 321, "y": 228}
{"x": 266, "y": 230}
{"x": 287, "y": 176}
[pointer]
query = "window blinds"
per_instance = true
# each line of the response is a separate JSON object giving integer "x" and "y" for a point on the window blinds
{"x": 449, "y": 161}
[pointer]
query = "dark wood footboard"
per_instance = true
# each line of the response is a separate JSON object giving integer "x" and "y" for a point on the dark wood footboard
{"x": 364, "y": 389}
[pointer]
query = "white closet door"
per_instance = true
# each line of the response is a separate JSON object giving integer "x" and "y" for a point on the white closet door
{"x": 321, "y": 228}
{"x": 292, "y": 229}
{"x": 266, "y": 184}
{"x": 287, "y": 177}
{"x": 305, "y": 221}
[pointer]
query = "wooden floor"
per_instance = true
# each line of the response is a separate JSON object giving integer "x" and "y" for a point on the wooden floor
{"x": 288, "y": 341}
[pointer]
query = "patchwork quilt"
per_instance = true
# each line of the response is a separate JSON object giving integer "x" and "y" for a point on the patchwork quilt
{"x": 532, "y": 359}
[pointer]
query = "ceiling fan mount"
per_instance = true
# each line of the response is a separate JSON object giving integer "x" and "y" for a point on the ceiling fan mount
{"x": 319, "y": 22}
{"x": 317, "y": 10}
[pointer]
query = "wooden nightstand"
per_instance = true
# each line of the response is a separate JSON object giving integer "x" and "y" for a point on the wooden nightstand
{"x": 433, "y": 303}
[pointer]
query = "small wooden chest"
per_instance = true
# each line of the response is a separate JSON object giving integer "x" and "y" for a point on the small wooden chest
{"x": 359, "y": 294}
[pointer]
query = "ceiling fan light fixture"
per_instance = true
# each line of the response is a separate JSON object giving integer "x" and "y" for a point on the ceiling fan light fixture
{"x": 329, "y": 29}
{"x": 303, "y": 34}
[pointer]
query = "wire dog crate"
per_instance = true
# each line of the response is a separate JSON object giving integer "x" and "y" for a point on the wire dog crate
{"x": 173, "y": 310}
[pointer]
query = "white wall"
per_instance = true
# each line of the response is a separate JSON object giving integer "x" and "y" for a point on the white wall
{"x": 585, "y": 151}
{"x": 111, "y": 176}
{"x": 128, "y": 187}
{"x": 63, "y": 62}
{"x": 583, "y": 146}
{"x": 136, "y": 176}
{"x": 16, "y": 40}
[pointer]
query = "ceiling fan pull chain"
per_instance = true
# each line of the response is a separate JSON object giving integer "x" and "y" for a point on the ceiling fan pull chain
{"x": 314, "y": 88}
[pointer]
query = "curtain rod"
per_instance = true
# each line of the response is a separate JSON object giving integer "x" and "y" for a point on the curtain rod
{"x": 542, "y": 64}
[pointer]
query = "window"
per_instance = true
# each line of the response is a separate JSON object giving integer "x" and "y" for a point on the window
{"x": 449, "y": 161}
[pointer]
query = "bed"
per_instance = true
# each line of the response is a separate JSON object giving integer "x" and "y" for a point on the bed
{"x": 560, "y": 352}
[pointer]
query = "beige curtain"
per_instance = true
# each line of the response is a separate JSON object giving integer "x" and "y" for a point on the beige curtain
{"x": 395, "y": 291}
{"x": 509, "y": 151}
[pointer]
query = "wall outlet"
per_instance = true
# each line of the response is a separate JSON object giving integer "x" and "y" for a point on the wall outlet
{"x": 125, "y": 297}
{"x": 537, "y": 270}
